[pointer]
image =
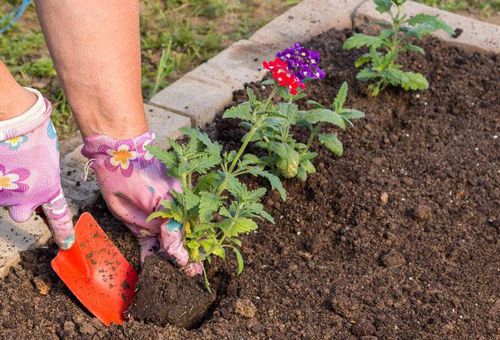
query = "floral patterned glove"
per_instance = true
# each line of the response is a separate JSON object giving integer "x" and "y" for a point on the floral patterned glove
{"x": 133, "y": 184}
{"x": 30, "y": 170}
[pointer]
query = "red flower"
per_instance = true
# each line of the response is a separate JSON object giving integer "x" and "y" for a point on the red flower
{"x": 283, "y": 75}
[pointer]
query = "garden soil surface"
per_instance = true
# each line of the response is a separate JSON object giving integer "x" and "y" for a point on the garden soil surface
{"x": 397, "y": 239}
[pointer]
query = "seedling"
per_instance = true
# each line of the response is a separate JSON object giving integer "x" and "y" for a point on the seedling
{"x": 214, "y": 207}
{"x": 286, "y": 156}
{"x": 380, "y": 62}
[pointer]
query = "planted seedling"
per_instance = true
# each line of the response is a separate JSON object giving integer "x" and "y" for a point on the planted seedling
{"x": 214, "y": 207}
{"x": 395, "y": 38}
{"x": 286, "y": 156}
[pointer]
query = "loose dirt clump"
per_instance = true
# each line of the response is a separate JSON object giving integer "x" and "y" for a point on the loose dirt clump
{"x": 165, "y": 295}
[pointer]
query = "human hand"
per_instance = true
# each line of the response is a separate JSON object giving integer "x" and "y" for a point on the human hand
{"x": 30, "y": 171}
{"x": 133, "y": 184}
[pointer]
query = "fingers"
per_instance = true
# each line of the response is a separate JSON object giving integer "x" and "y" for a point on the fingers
{"x": 193, "y": 269}
{"x": 60, "y": 221}
{"x": 148, "y": 246}
{"x": 20, "y": 213}
{"x": 172, "y": 242}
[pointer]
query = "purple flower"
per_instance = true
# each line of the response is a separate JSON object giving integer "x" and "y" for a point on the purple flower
{"x": 12, "y": 180}
{"x": 302, "y": 62}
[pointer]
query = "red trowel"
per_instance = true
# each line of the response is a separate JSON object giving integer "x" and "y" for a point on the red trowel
{"x": 96, "y": 272}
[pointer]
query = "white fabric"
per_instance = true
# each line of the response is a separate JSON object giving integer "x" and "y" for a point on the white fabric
{"x": 35, "y": 112}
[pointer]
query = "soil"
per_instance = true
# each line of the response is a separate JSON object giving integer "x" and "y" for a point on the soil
{"x": 397, "y": 239}
{"x": 165, "y": 295}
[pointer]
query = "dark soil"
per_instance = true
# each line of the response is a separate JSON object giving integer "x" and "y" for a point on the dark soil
{"x": 398, "y": 239}
{"x": 165, "y": 295}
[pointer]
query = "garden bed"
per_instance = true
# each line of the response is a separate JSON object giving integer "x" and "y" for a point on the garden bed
{"x": 399, "y": 238}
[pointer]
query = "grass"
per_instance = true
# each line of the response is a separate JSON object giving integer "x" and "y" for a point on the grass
{"x": 484, "y": 7}
{"x": 176, "y": 36}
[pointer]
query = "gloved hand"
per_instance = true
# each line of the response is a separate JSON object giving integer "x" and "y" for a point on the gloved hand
{"x": 30, "y": 170}
{"x": 133, "y": 184}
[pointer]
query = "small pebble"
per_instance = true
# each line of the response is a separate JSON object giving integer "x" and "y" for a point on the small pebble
{"x": 393, "y": 259}
{"x": 384, "y": 198}
{"x": 423, "y": 212}
{"x": 42, "y": 285}
{"x": 245, "y": 308}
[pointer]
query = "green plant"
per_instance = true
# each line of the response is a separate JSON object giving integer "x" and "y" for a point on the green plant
{"x": 285, "y": 155}
{"x": 214, "y": 207}
{"x": 393, "y": 40}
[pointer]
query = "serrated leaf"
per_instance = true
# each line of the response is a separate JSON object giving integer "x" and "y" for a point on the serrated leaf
{"x": 302, "y": 174}
{"x": 341, "y": 97}
{"x": 166, "y": 157}
{"x": 413, "y": 48}
{"x": 424, "y": 24}
{"x": 274, "y": 180}
{"x": 209, "y": 204}
{"x": 367, "y": 74}
{"x": 332, "y": 143}
{"x": 207, "y": 182}
{"x": 239, "y": 259}
{"x": 212, "y": 246}
{"x": 407, "y": 80}
{"x": 242, "y": 111}
{"x": 326, "y": 116}
{"x": 316, "y": 104}
{"x": 383, "y": 6}
{"x": 191, "y": 200}
{"x": 251, "y": 95}
{"x": 365, "y": 58}
{"x": 159, "y": 214}
{"x": 241, "y": 225}
{"x": 351, "y": 114}
{"x": 359, "y": 40}
{"x": 308, "y": 166}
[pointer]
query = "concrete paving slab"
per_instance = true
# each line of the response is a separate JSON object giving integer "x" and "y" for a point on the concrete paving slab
{"x": 306, "y": 20}
{"x": 198, "y": 99}
{"x": 165, "y": 124}
{"x": 239, "y": 64}
{"x": 476, "y": 35}
{"x": 17, "y": 237}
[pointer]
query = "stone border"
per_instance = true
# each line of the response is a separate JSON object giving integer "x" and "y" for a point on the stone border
{"x": 198, "y": 96}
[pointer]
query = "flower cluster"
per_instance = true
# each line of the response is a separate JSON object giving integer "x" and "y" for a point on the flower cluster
{"x": 283, "y": 76}
{"x": 293, "y": 66}
{"x": 302, "y": 62}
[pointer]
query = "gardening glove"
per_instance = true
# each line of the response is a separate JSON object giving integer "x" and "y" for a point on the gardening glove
{"x": 30, "y": 171}
{"x": 133, "y": 184}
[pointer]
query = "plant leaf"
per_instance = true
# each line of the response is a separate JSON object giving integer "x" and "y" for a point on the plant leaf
{"x": 351, "y": 114}
{"x": 191, "y": 200}
{"x": 383, "y": 6}
{"x": 359, "y": 40}
{"x": 209, "y": 204}
{"x": 413, "y": 48}
{"x": 341, "y": 97}
{"x": 239, "y": 259}
{"x": 166, "y": 157}
{"x": 274, "y": 180}
{"x": 425, "y": 24}
{"x": 241, "y": 225}
{"x": 365, "y": 58}
{"x": 242, "y": 111}
{"x": 324, "y": 115}
{"x": 332, "y": 143}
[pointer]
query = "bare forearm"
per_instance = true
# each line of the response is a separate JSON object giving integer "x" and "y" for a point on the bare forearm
{"x": 14, "y": 99}
{"x": 95, "y": 45}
